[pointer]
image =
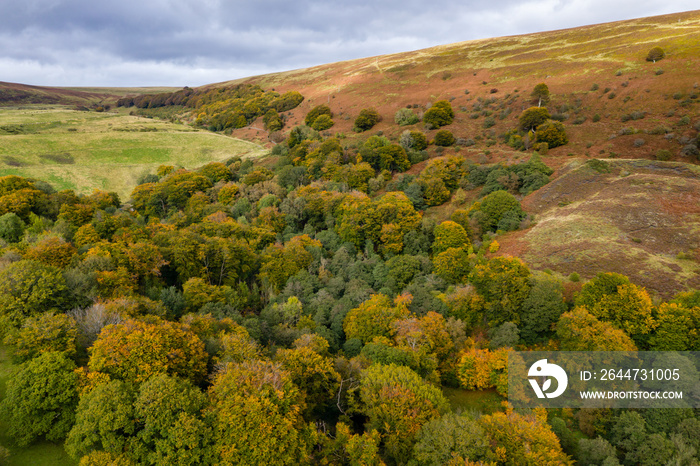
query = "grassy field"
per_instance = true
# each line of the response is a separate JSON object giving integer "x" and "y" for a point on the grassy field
{"x": 85, "y": 151}
{"x": 39, "y": 454}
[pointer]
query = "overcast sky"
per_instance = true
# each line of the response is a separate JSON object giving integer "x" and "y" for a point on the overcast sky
{"x": 196, "y": 42}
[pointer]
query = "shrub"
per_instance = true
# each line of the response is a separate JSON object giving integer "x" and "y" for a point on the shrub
{"x": 444, "y": 138}
{"x": 405, "y": 116}
{"x": 639, "y": 142}
{"x": 323, "y": 122}
{"x": 531, "y": 118}
{"x": 367, "y": 119}
{"x": 287, "y": 101}
{"x": 440, "y": 114}
{"x": 553, "y": 133}
{"x": 663, "y": 154}
{"x": 272, "y": 120}
{"x": 657, "y": 53}
{"x": 596, "y": 118}
{"x": 413, "y": 140}
{"x": 317, "y": 112}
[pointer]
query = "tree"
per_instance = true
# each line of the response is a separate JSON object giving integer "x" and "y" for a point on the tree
{"x": 104, "y": 420}
{"x": 405, "y": 116}
{"x": 450, "y": 234}
{"x": 578, "y": 330}
{"x": 553, "y": 133}
{"x": 504, "y": 283}
{"x": 655, "y": 54}
{"x": 11, "y": 227}
{"x": 367, "y": 118}
{"x": 272, "y": 120}
{"x": 257, "y": 414}
{"x": 439, "y": 114}
{"x": 316, "y": 112}
{"x": 133, "y": 351}
{"x": 451, "y": 436}
{"x": 596, "y": 451}
{"x": 541, "y": 309}
{"x": 601, "y": 285}
{"x": 523, "y": 439}
{"x": 375, "y": 317}
{"x": 540, "y": 94}
{"x": 444, "y": 138}
{"x": 481, "y": 369}
{"x": 354, "y": 449}
{"x": 398, "y": 403}
{"x": 452, "y": 265}
{"x": 677, "y": 328}
{"x": 172, "y": 428}
{"x": 393, "y": 157}
{"x": 28, "y": 287}
{"x": 323, "y": 122}
{"x": 629, "y": 309}
{"x": 43, "y": 333}
{"x": 495, "y": 207}
{"x": 40, "y": 399}
{"x": 314, "y": 374}
{"x": 533, "y": 117}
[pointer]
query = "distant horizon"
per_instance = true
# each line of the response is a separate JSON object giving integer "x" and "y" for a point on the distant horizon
{"x": 79, "y": 44}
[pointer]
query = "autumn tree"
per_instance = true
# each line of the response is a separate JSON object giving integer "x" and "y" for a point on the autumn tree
{"x": 677, "y": 328}
{"x": 452, "y": 265}
{"x": 655, "y": 54}
{"x": 316, "y": 112}
{"x": 134, "y": 350}
{"x": 41, "y": 334}
{"x": 354, "y": 449}
{"x": 367, "y": 118}
{"x": 540, "y": 94}
{"x": 40, "y": 399}
{"x": 439, "y": 114}
{"x": 314, "y": 374}
{"x": 375, "y": 317}
{"x": 481, "y": 369}
{"x": 523, "y": 439}
{"x": 281, "y": 262}
{"x": 504, "y": 283}
{"x": 257, "y": 416}
{"x": 578, "y": 330}
{"x": 450, "y": 234}
{"x": 27, "y": 288}
{"x": 533, "y": 117}
{"x": 398, "y": 403}
{"x": 553, "y": 133}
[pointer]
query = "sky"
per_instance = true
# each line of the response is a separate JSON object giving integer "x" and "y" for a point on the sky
{"x": 131, "y": 43}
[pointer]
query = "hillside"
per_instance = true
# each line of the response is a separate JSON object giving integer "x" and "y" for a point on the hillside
{"x": 614, "y": 104}
{"x": 593, "y": 70}
{"x": 13, "y": 94}
{"x": 638, "y": 218}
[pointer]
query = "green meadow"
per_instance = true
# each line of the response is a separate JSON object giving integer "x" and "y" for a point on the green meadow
{"x": 85, "y": 151}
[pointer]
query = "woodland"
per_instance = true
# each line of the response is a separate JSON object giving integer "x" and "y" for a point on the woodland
{"x": 301, "y": 308}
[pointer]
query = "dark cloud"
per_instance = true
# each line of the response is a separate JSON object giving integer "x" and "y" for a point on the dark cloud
{"x": 178, "y": 42}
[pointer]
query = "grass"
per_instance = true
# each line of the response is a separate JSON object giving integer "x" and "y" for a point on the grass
{"x": 38, "y": 454}
{"x": 85, "y": 151}
{"x": 482, "y": 401}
